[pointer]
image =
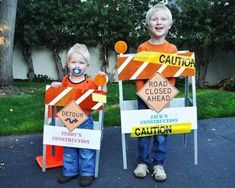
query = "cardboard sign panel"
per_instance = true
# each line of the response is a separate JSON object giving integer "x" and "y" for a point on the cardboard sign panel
{"x": 157, "y": 92}
{"x": 72, "y": 116}
{"x": 133, "y": 118}
{"x": 79, "y": 138}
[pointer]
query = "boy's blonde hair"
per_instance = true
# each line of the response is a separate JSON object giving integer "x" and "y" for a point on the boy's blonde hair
{"x": 156, "y": 8}
{"x": 81, "y": 49}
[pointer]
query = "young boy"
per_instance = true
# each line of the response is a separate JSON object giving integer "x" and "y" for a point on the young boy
{"x": 158, "y": 23}
{"x": 78, "y": 161}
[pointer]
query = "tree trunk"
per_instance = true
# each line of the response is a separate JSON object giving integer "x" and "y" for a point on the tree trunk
{"x": 28, "y": 58}
{"x": 112, "y": 74}
{"x": 202, "y": 75}
{"x": 7, "y": 30}
{"x": 58, "y": 64}
{"x": 204, "y": 60}
{"x": 105, "y": 64}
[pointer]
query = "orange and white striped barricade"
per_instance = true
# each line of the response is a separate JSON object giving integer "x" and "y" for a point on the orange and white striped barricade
{"x": 172, "y": 118}
{"x": 144, "y": 64}
{"x": 56, "y": 135}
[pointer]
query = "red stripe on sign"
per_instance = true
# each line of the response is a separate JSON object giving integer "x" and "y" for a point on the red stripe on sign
{"x": 129, "y": 70}
{"x": 71, "y": 95}
{"x": 188, "y": 72}
{"x": 170, "y": 71}
{"x": 52, "y": 93}
{"x": 149, "y": 71}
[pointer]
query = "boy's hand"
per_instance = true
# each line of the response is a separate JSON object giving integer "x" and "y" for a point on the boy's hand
{"x": 101, "y": 78}
{"x": 56, "y": 84}
{"x": 102, "y": 73}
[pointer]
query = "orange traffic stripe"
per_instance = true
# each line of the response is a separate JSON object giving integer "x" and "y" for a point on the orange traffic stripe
{"x": 61, "y": 96}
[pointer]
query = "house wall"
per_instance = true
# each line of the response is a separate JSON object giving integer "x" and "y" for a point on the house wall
{"x": 221, "y": 67}
{"x": 44, "y": 64}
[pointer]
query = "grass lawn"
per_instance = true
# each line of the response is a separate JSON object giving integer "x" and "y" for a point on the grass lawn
{"x": 24, "y": 113}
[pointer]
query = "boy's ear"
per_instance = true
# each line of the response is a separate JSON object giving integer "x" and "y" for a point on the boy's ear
{"x": 170, "y": 25}
{"x": 146, "y": 25}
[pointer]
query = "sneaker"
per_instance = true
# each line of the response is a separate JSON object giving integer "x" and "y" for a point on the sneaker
{"x": 159, "y": 173}
{"x": 65, "y": 179}
{"x": 141, "y": 171}
{"x": 86, "y": 180}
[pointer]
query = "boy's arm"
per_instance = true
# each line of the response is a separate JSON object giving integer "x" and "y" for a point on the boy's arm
{"x": 56, "y": 84}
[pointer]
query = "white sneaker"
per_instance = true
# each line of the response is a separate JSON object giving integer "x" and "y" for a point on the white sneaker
{"x": 141, "y": 171}
{"x": 159, "y": 173}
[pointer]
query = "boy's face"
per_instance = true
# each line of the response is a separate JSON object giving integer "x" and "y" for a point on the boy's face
{"x": 77, "y": 64}
{"x": 159, "y": 24}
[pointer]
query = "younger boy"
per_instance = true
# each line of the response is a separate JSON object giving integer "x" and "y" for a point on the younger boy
{"x": 158, "y": 23}
{"x": 78, "y": 161}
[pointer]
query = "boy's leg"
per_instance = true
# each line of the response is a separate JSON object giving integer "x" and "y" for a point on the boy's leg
{"x": 87, "y": 162}
{"x": 70, "y": 161}
{"x": 71, "y": 155}
{"x": 143, "y": 157}
{"x": 86, "y": 166}
{"x": 143, "y": 142}
{"x": 159, "y": 152}
{"x": 143, "y": 149}
{"x": 70, "y": 165}
{"x": 159, "y": 149}
{"x": 87, "y": 158}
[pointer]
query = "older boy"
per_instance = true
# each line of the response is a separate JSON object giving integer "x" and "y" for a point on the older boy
{"x": 158, "y": 23}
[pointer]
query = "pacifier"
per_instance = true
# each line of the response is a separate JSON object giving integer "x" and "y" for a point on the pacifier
{"x": 77, "y": 70}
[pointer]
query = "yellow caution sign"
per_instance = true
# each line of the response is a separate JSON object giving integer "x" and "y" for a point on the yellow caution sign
{"x": 161, "y": 129}
{"x": 174, "y": 60}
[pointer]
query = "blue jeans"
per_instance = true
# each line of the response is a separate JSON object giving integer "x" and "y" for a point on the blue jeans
{"x": 151, "y": 153}
{"x": 79, "y": 160}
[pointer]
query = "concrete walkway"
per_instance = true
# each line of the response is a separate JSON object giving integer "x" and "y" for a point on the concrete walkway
{"x": 216, "y": 168}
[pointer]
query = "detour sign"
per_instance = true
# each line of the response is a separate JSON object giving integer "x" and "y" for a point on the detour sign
{"x": 72, "y": 116}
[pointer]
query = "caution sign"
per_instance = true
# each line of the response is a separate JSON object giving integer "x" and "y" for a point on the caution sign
{"x": 144, "y": 65}
{"x": 72, "y": 116}
{"x": 157, "y": 92}
{"x": 161, "y": 129}
{"x": 165, "y": 58}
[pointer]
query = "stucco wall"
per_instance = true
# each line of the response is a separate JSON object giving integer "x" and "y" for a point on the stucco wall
{"x": 44, "y": 64}
{"x": 221, "y": 67}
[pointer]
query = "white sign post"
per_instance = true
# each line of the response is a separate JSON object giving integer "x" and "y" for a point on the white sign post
{"x": 56, "y": 133}
{"x": 177, "y": 112}
{"x": 131, "y": 116}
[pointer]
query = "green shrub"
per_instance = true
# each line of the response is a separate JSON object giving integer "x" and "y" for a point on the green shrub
{"x": 227, "y": 84}
{"x": 42, "y": 78}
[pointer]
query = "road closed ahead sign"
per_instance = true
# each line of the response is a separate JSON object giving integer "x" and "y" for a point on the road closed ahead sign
{"x": 72, "y": 116}
{"x": 157, "y": 92}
